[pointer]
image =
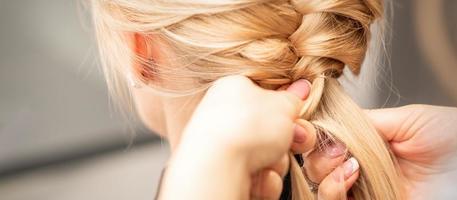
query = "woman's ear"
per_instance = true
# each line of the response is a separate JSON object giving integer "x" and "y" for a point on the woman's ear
{"x": 149, "y": 106}
{"x": 145, "y": 56}
{"x": 140, "y": 46}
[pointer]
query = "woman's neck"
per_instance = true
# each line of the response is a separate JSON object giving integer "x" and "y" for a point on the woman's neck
{"x": 177, "y": 113}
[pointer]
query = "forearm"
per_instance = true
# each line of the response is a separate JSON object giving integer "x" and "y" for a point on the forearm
{"x": 198, "y": 172}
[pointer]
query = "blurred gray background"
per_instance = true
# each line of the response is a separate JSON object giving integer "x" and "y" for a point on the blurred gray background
{"x": 60, "y": 138}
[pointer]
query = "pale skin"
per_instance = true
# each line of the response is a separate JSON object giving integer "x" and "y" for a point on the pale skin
{"x": 236, "y": 146}
{"x": 168, "y": 116}
{"x": 424, "y": 139}
{"x": 221, "y": 155}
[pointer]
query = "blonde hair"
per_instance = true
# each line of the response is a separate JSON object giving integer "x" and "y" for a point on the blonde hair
{"x": 273, "y": 43}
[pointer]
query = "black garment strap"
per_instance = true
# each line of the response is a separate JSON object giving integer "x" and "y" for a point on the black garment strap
{"x": 159, "y": 187}
{"x": 287, "y": 183}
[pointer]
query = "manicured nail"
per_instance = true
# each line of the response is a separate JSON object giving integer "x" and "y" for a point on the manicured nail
{"x": 300, "y": 88}
{"x": 299, "y": 134}
{"x": 335, "y": 149}
{"x": 350, "y": 167}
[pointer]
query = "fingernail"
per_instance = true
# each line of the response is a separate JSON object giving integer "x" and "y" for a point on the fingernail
{"x": 335, "y": 149}
{"x": 350, "y": 167}
{"x": 338, "y": 175}
{"x": 300, "y": 88}
{"x": 299, "y": 134}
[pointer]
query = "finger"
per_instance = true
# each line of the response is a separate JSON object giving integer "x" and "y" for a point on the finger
{"x": 336, "y": 185}
{"x": 267, "y": 185}
{"x": 351, "y": 172}
{"x": 393, "y": 123}
{"x": 281, "y": 167}
{"x": 304, "y": 137}
{"x": 319, "y": 163}
{"x": 294, "y": 96}
{"x": 301, "y": 88}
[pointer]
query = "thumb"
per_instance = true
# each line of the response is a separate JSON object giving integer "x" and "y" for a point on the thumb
{"x": 394, "y": 123}
{"x": 293, "y": 95}
{"x": 300, "y": 88}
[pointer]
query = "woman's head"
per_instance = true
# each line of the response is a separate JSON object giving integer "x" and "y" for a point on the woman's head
{"x": 182, "y": 46}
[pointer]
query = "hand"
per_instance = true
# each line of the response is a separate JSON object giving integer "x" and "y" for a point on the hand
{"x": 238, "y": 118}
{"x": 237, "y": 131}
{"x": 333, "y": 187}
{"x": 240, "y": 133}
{"x": 422, "y": 137}
{"x": 324, "y": 166}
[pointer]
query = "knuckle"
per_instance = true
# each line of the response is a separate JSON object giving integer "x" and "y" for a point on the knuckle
{"x": 318, "y": 166}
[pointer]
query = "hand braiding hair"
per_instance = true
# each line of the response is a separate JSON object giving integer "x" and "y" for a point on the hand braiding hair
{"x": 273, "y": 42}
